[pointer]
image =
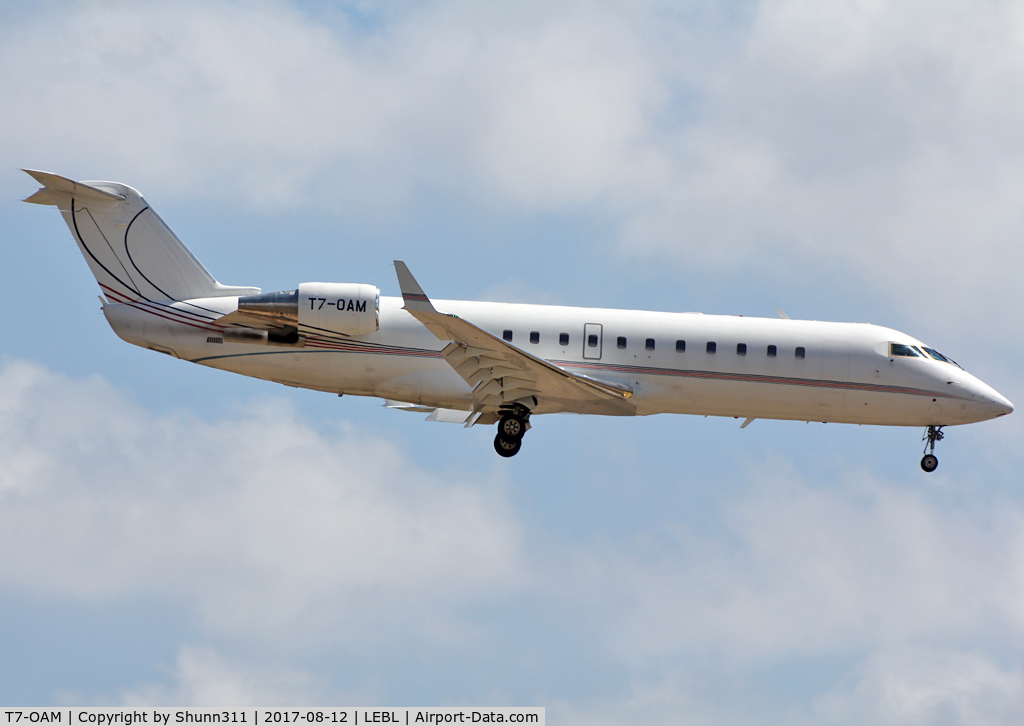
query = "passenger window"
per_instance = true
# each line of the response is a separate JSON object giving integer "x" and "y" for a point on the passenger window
{"x": 507, "y": 335}
{"x": 904, "y": 350}
{"x": 741, "y": 349}
{"x": 772, "y": 351}
{"x": 800, "y": 353}
{"x": 712, "y": 347}
{"x": 563, "y": 339}
{"x": 650, "y": 344}
{"x": 621, "y": 342}
{"x": 534, "y": 336}
{"x": 592, "y": 341}
{"x": 680, "y": 346}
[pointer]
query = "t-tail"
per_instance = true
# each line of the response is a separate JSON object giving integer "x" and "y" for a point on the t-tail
{"x": 131, "y": 252}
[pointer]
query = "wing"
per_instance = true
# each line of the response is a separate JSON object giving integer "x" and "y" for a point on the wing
{"x": 502, "y": 374}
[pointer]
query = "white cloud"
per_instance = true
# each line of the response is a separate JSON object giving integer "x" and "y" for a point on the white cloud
{"x": 266, "y": 525}
{"x": 913, "y": 686}
{"x": 201, "y": 678}
{"x": 670, "y": 700}
{"x": 923, "y": 686}
{"x": 803, "y": 571}
{"x": 859, "y": 602}
{"x": 261, "y": 101}
{"x": 877, "y": 141}
{"x": 867, "y": 137}
{"x": 288, "y": 540}
{"x": 876, "y": 138}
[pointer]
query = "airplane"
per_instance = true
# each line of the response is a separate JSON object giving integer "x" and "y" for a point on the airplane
{"x": 485, "y": 363}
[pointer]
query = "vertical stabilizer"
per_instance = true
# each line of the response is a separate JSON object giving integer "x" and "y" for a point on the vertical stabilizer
{"x": 131, "y": 252}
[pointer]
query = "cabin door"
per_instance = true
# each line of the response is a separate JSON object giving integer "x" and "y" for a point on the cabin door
{"x": 592, "y": 333}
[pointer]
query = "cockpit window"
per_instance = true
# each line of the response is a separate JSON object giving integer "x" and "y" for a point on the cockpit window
{"x": 938, "y": 356}
{"x": 905, "y": 350}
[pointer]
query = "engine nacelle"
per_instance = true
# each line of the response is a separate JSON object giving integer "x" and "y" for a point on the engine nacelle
{"x": 337, "y": 307}
{"x": 331, "y": 307}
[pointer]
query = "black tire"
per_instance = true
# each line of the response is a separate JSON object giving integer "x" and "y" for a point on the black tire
{"x": 507, "y": 447}
{"x": 511, "y": 427}
{"x": 929, "y": 462}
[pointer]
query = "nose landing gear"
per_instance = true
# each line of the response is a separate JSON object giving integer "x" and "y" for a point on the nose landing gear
{"x": 934, "y": 434}
{"x": 514, "y": 423}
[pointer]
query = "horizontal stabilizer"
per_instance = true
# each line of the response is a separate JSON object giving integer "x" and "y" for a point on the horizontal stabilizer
{"x": 53, "y": 183}
{"x": 41, "y": 197}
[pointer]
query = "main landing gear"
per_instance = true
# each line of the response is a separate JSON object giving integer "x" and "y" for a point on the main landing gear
{"x": 515, "y": 421}
{"x": 931, "y": 437}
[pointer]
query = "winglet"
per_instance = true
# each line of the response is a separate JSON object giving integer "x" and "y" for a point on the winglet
{"x": 412, "y": 293}
{"x": 782, "y": 314}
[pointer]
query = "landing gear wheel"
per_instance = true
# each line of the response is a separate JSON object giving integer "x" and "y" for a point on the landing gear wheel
{"x": 513, "y": 424}
{"x": 932, "y": 435}
{"x": 507, "y": 447}
{"x": 512, "y": 427}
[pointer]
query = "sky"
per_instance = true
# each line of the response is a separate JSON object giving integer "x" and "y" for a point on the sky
{"x": 175, "y": 535}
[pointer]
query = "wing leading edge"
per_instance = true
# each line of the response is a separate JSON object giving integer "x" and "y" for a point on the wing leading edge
{"x": 503, "y": 375}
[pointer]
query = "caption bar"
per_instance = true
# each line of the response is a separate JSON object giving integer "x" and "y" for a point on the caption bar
{"x": 265, "y": 716}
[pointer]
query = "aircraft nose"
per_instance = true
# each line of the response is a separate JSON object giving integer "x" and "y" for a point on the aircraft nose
{"x": 996, "y": 403}
{"x": 1001, "y": 405}
{"x": 987, "y": 401}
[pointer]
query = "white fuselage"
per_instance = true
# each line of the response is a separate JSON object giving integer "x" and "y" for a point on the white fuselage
{"x": 846, "y": 373}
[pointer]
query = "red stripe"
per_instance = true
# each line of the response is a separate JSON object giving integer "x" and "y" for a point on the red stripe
{"x": 165, "y": 309}
{"x": 754, "y": 378}
{"x": 352, "y": 347}
{"x": 312, "y": 342}
{"x": 143, "y": 308}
